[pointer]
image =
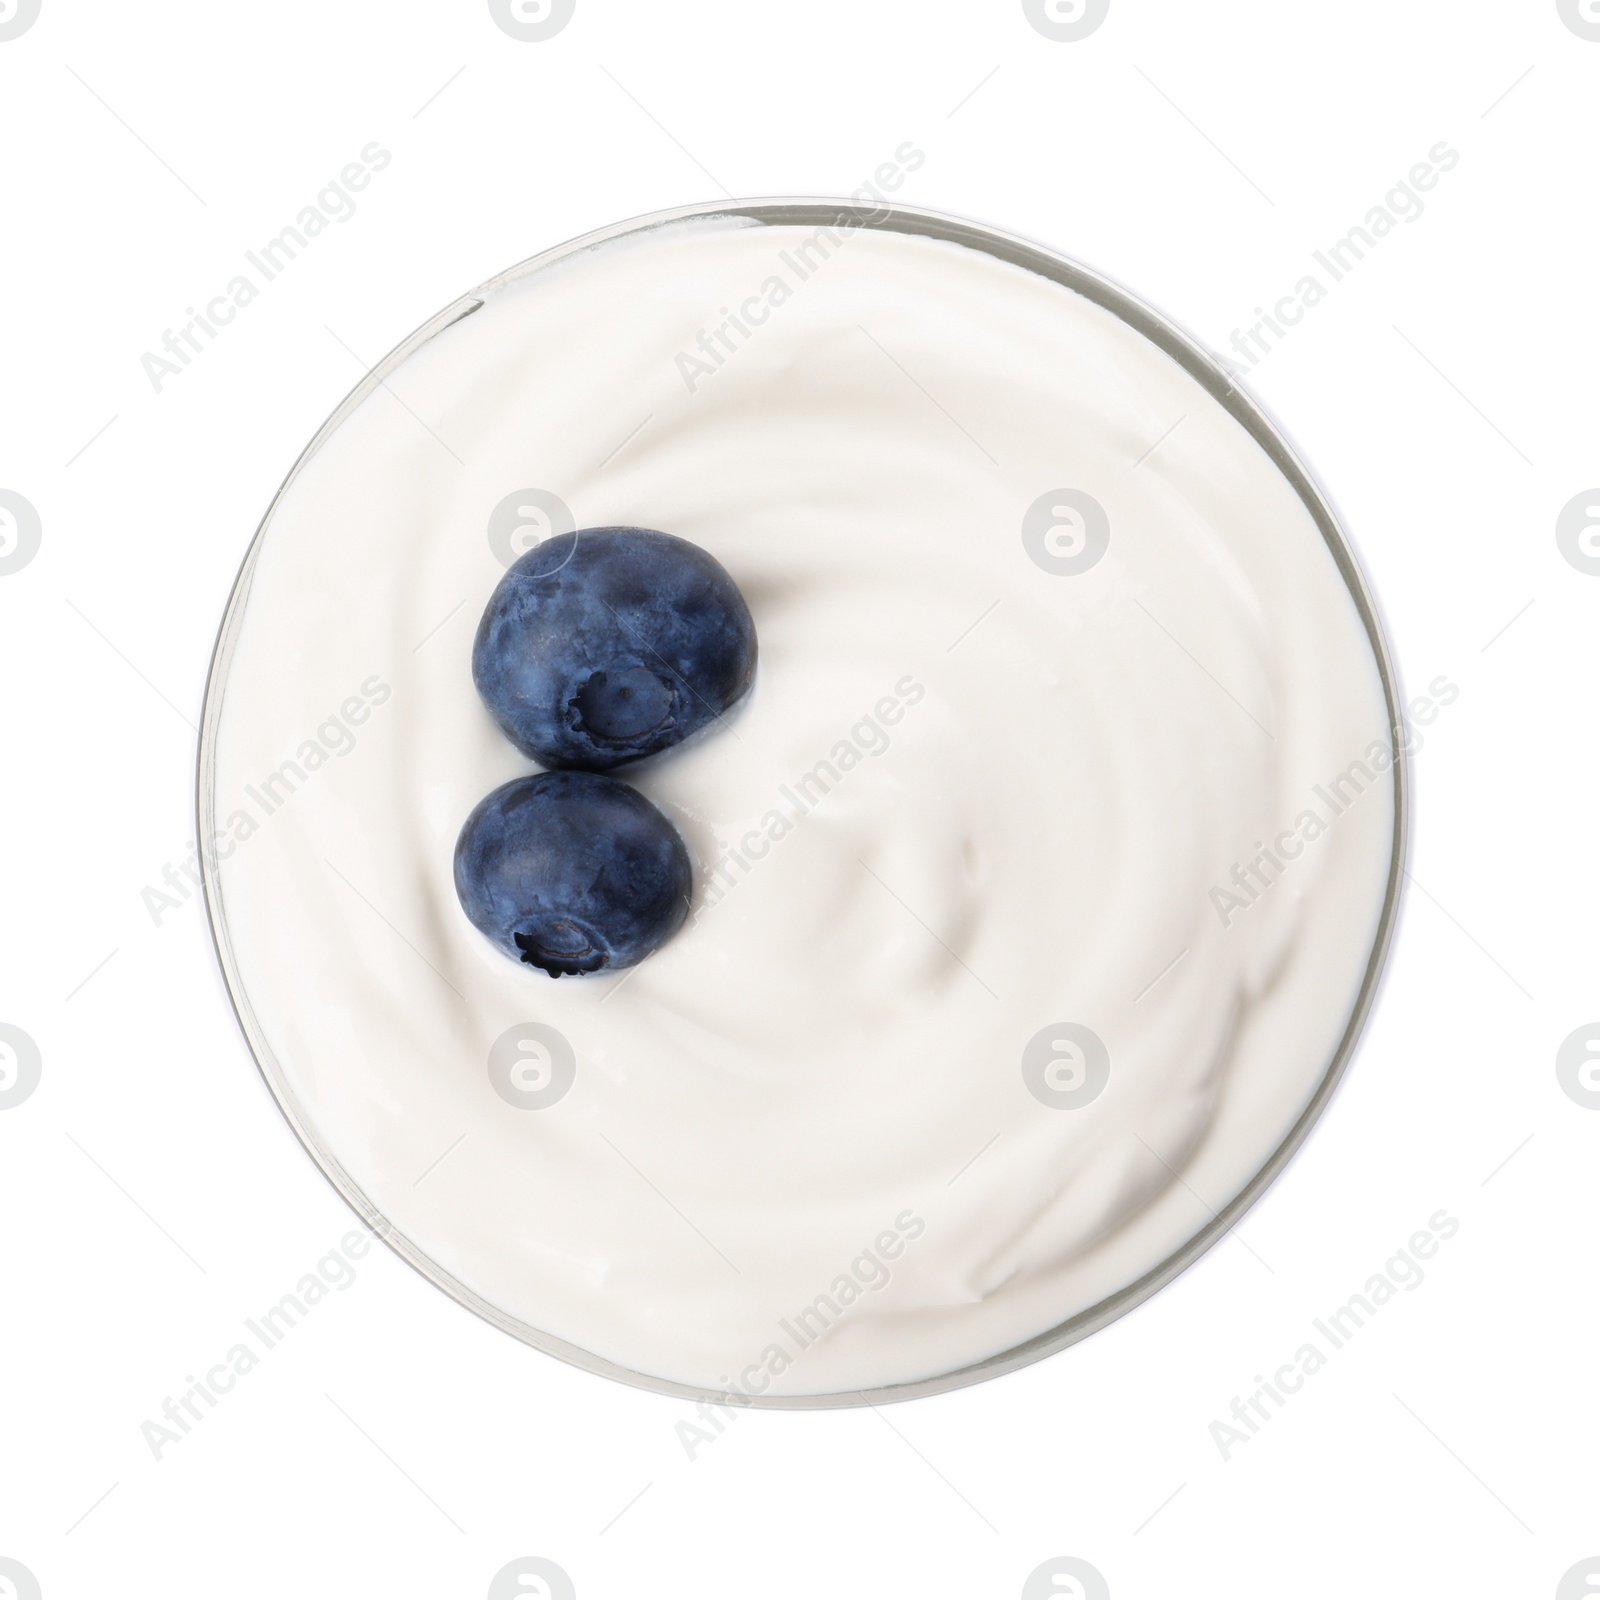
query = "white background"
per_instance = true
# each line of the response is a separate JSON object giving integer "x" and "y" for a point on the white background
{"x": 152, "y": 1196}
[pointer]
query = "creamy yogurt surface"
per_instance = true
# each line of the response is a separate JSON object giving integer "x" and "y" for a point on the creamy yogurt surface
{"x": 1035, "y": 880}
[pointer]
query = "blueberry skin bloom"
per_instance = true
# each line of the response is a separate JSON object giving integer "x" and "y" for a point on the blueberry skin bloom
{"x": 572, "y": 872}
{"x": 609, "y": 644}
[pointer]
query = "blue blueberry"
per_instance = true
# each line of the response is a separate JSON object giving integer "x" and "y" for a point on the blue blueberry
{"x": 572, "y": 872}
{"x": 604, "y": 646}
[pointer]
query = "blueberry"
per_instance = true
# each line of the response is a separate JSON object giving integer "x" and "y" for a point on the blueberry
{"x": 604, "y": 646}
{"x": 572, "y": 872}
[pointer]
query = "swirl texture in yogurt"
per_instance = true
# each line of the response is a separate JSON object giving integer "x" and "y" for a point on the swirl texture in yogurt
{"x": 982, "y": 1012}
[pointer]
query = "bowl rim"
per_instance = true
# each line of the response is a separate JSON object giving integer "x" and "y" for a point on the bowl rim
{"x": 1200, "y": 364}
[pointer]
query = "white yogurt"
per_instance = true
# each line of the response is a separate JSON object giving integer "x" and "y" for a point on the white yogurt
{"x": 967, "y": 800}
